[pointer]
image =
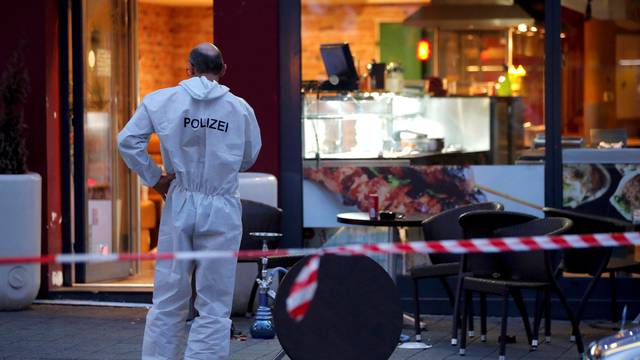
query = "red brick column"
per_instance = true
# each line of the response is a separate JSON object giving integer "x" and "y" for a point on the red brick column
{"x": 247, "y": 34}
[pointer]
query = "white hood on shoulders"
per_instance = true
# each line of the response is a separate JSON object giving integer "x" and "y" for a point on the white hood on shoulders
{"x": 201, "y": 88}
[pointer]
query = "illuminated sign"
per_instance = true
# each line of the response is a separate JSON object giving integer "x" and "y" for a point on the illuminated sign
{"x": 424, "y": 50}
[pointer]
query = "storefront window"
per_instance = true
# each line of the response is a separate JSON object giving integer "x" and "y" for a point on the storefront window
{"x": 441, "y": 96}
{"x": 110, "y": 221}
{"x": 601, "y": 111}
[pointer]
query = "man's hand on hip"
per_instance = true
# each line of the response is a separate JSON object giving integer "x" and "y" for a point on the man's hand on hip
{"x": 162, "y": 186}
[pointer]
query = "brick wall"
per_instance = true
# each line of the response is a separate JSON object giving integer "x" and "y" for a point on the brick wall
{"x": 356, "y": 24}
{"x": 166, "y": 34}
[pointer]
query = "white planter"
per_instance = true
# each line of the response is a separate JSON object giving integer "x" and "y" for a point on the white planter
{"x": 20, "y": 230}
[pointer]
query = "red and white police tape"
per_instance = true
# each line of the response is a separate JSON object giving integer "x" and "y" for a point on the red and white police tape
{"x": 305, "y": 284}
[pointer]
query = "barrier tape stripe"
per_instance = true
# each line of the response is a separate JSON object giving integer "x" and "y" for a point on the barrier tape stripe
{"x": 305, "y": 284}
{"x": 483, "y": 245}
{"x": 303, "y": 289}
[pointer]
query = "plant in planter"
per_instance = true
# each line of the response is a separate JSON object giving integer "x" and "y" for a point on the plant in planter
{"x": 20, "y": 191}
{"x": 14, "y": 88}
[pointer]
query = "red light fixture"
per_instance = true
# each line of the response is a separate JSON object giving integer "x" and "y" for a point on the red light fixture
{"x": 424, "y": 50}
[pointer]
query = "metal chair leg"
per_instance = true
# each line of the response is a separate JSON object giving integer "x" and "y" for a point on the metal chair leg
{"x": 471, "y": 317}
{"x": 547, "y": 316}
{"x": 614, "y": 297}
{"x": 465, "y": 314}
{"x": 537, "y": 319}
{"x": 447, "y": 288}
{"x": 503, "y": 326}
{"x": 416, "y": 300}
{"x": 586, "y": 296}
{"x": 522, "y": 309}
{"x": 483, "y": 317}
{"x": 574, "y": 322}
{"x": 456, "y": 323}
{"x": 596, "y": 277}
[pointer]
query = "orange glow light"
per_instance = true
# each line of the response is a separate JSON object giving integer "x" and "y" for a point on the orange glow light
{"x": 424, "y": 50}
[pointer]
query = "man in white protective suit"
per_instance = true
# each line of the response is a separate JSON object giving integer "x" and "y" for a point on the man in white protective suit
{"x": 208, "y": 135}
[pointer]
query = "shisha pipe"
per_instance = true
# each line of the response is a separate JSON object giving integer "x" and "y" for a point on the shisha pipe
{"x": 262, "y": 327}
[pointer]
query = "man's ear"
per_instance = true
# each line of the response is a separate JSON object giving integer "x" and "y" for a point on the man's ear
{"x": 223, "y": 71}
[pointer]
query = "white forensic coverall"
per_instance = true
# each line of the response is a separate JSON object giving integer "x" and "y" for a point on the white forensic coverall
{"x": 208, "y": 135}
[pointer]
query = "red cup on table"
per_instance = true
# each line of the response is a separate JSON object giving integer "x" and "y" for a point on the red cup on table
{"x": 374, "y": 203}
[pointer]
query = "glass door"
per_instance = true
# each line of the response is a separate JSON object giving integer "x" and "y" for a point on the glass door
{"x": 107, "y": 186}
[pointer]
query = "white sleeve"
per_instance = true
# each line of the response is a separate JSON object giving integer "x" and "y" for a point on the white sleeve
{"x": 252, "y": 140}
{"x": 133, "y": 141}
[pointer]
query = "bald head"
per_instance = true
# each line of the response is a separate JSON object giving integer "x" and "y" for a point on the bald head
{"x": 206, "y": 59}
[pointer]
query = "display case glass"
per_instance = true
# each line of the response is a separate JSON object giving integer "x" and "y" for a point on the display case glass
{"x": 391, "y": 126}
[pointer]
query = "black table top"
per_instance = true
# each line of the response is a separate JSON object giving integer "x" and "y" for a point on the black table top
{"x": 355, "y": 314}
{"x": 362, "y": 218}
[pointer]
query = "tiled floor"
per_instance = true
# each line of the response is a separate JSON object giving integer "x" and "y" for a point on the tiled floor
{"x": 86, "y": 332}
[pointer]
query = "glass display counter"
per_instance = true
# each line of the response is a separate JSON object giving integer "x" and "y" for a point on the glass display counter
{"x": 417, "y": 127}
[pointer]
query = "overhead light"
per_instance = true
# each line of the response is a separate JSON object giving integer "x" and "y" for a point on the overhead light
{"x": 91, "y": 59}
{"x": 563, "y": 35}
{"x": 493, "y": 68}
{"x": 533, "y": 28}
{"x": 522, "y": 27}
{"x": 629, "y": 62}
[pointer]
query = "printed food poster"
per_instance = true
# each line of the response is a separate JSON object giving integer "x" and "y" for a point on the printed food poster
{"x": 611, "y": 190}
{"x": 426, "y": 190}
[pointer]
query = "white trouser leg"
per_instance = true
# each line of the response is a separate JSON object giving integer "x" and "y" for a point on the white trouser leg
{"x": 218, "y": 229}
{"x": 165, "y": 330}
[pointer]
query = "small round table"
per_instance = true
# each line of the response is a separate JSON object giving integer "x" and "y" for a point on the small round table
{"x": 414, "y": 220}
{"x": 363, "y": 219}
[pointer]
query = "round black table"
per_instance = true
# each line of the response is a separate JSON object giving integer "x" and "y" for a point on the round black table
{"x": 355, "y": 313}
{"x": 362, "y": 218}
{"x": 414, "y": 220}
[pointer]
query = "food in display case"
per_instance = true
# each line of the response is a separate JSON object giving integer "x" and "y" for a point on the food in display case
{"x": 582, "y": 183}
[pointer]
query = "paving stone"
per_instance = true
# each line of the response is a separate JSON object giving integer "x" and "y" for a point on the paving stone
{"x": 51, "y": 332}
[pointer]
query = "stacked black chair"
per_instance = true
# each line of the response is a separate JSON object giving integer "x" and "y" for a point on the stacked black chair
{"x": 594, "y": 262}
{"x": 513, "y": 272}
{"x": 482, "y": 224}
{"x": 443, "y": 226}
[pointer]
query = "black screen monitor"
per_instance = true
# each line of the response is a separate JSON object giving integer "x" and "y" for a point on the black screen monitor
{"x": 338, "y": 63}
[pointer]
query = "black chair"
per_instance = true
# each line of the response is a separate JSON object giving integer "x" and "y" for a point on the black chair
{"x": 516, "y": 271}
{"x": 482, "y": 224}
{"x": 256, "y": 217}
{"x": 443, "y": 226}
{"x": 259, "y": 217}
{"x": 594, "y": 262}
